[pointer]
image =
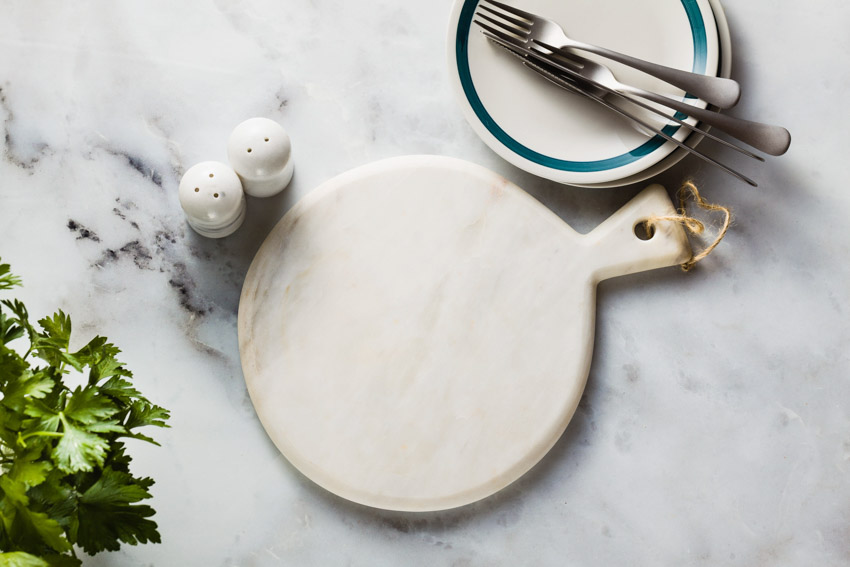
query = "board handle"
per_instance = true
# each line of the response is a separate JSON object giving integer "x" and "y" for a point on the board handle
{"x": 617, "y": 250}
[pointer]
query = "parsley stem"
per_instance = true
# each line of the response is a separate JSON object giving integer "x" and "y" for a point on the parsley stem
{"x": 22, "y": 439}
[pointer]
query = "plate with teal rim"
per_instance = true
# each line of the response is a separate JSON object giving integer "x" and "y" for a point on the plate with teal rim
{"x": 561, "y": 136}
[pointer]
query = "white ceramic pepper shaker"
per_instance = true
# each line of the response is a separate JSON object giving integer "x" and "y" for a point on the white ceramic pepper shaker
{"x": 212, "y": 198}
{"x": 260, "y": 152}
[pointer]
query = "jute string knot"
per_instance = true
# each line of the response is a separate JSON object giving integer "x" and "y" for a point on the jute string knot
{"x": 691, "y": 224}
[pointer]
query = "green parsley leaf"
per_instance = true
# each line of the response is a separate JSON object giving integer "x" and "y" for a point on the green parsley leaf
{"x": 47, "y": 528}
{"x": 52, "y": 344}
{"x": 28, "y": 386}
{"x": 79, "y": 450}
{"x": 14, "y": 491}
{"x": 89, "y": 406}
{"x": 109, "y": 513}
{"x": 65, "y": 474}
{"x": 21, "y": 559}
{"x": 26, "y": 524}
{"x": 9, "y": 329}
{"x": 101, "y": 357}
{"x": 143, "y": 413}
{"x": 120, "y": 390}
{"x": 7, "y": 280}
{"x": 28, "y": 470}
{"x": 62, "y": 561}
{"x": 21, "y": 316}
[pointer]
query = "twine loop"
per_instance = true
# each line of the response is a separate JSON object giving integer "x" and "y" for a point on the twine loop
{"x": 691, "y": 224}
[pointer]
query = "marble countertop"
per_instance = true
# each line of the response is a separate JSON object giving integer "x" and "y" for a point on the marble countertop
{"x": 715, "y": 427}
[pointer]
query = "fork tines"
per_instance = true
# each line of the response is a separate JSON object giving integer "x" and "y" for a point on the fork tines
{"x": 509, "y": 9}
{"x": 520, "y": 27}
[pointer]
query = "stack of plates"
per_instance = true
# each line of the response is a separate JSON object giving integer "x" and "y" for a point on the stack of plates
{"x": 551, "y": 133}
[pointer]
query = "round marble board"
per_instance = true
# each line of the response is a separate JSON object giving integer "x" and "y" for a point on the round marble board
{"x": 415, "y": 334}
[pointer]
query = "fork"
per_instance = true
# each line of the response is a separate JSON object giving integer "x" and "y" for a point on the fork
{"x": 768, "y": 138}
{"x": 542, "y": 64}
{"x": 721, "y": 92}
{"x": 542, "y": 67}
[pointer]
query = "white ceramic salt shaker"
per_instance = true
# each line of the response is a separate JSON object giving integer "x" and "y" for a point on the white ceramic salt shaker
{"x": 212, "y": 197}
{"x": 260, "y": 152}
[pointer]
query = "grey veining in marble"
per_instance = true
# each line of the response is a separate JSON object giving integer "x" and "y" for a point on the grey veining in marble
{"x": 715, "y": 427}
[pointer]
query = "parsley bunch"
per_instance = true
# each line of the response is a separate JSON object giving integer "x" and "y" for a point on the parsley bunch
{"x": 66, "y": 481}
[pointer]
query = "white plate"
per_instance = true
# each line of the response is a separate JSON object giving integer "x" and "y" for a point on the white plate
{"x": 725, "y": 66}
{"x": 545, "y": 131}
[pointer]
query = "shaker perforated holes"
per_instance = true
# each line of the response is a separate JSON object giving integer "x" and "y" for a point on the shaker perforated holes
{"x": 260, "y": 151}
{"x": 212, "y": 197}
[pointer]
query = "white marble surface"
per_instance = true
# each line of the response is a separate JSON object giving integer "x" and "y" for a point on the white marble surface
{"x": 714, "y": 429}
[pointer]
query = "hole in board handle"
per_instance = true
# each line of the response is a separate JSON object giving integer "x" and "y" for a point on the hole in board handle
{"x": 643, "y": 231}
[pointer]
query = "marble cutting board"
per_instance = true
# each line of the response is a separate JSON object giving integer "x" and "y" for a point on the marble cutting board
{"x": 416, "y": 334}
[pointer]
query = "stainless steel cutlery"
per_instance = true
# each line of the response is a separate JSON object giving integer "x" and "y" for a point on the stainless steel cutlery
{"x": 551, "y": 74}
{"x": 546, "y": 50}
{"x": 530, "y": 28}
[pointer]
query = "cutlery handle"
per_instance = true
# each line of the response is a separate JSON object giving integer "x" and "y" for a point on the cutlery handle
{"x": 569, "y": 86}
{"x": 773, "y": 140}
{"x": 723, "y": 93}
